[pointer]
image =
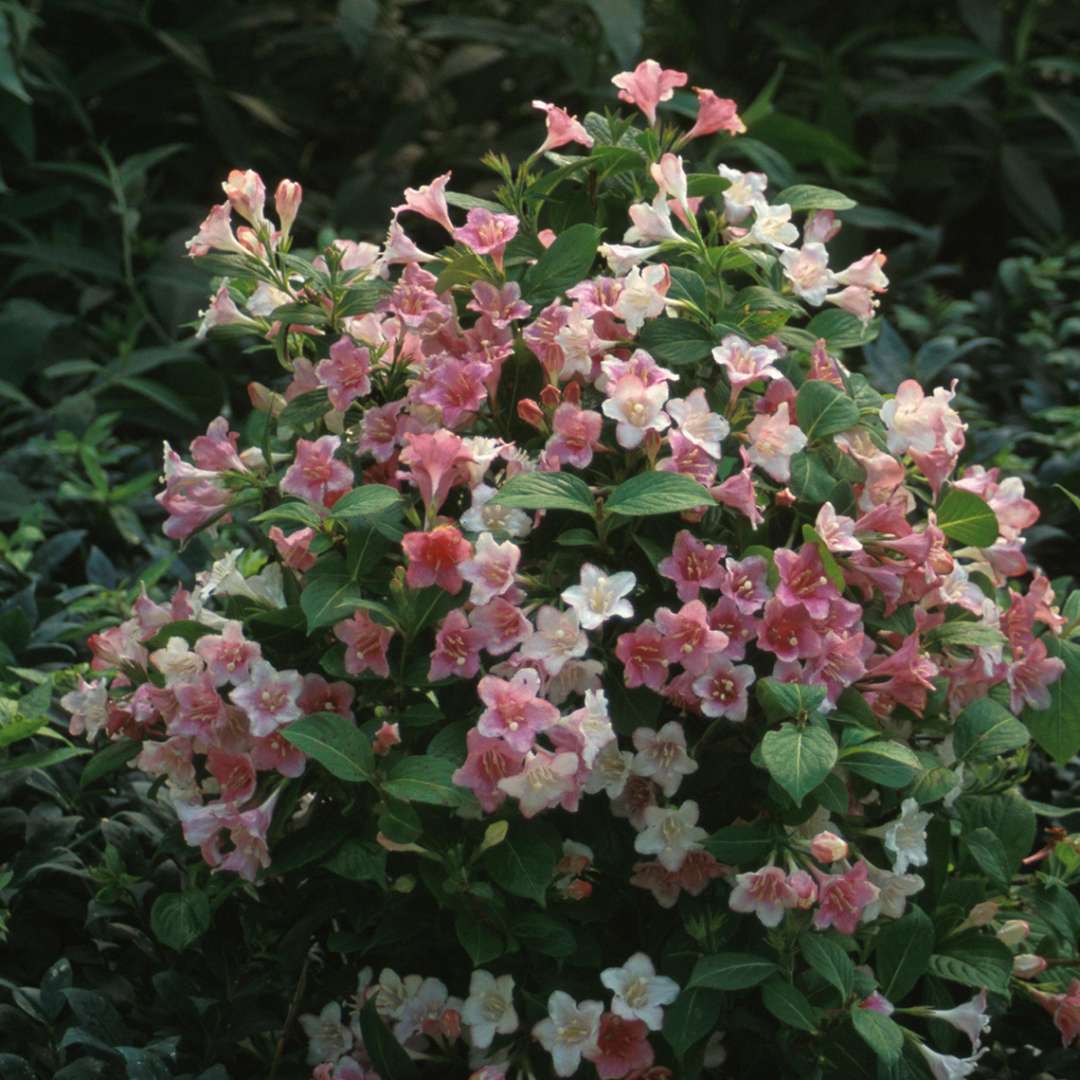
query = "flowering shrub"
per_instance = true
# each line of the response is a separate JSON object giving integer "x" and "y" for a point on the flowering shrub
{"x": 659, "y": 689}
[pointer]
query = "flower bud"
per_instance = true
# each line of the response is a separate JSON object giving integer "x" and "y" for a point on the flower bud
{"x": 1013, "y": 932}
{"x": 550, "y": 397}
{"x": 287, "y": 203}
{"x": 386, "y": 737}
{"x": 982, "y": 914}
{"x": 1028, "y": 965}
{"x": 531, "y": 413}
{"x": 784, "y": 497}
{"x": 546, "y": 237}
{"x": 246, "y": 193}
{"x": 263, "y": 399}
{"x": 572, "y": 392}
{"x": 827, "y": 847}
{"x": 580, "y": 889}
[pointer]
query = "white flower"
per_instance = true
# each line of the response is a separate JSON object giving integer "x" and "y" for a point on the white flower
{"x": 578, "y": 341}
{"x": 569, "y": 1031}
{"x": 177, "y": 660}
{"x": 670, "y": 834}
{"x": 88, "y": 706}
{"x": 905, "y": 838}
{"x": 484, "y": 450}
{"x": 746, "y": 188}
{"x": 610, "y": 770}
{"x": 622, "y": 258}
{"x": 947, "y": 1067}
{"x": 328, "y": 1037}
{"x": 637, "y": 408}
{"x": 639, "y": 993}
{"x": 600, "y": 596}
{"x": 662, "y": 757}
{"x": 772, "y": 225}
{"x": 429, "y": 1002}
{"x": 544, "y": 779}
{"x": 592, "y": 723}
{"x": 558, "y": 638}
{"x": 971, "y": 1018}
{"x": 893, "y": 891}
{"x": 808, "y": 271}
{"x": 698, "y": 422}
{"x": 643, "y": 295}
{"x": 652, "y": 223}
{"x": 485, "y": 516}
{"x": 489, "y": 1008}
{"x": 393, "y": 992}
{"x": 575, "y": 677}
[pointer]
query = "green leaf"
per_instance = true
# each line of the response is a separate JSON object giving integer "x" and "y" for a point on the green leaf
{"x": 810, "y": 480}
{"x": 331, "y": 594}
{"x": 180, "y": 919}
{"x": 292, "y": 510}
{"x": 565, "y": 263}
{"x": 524, "y": 863}
{"x": 904, "y": 947}
{"x": 823, "y": 409}
{"x": 964, "y": 517}
{"x": 974, "y": 959}
{"x": 622, "y": 22}
{"x": 989, "y": 852}
{"x": 652, "y": 493}
{"x": 675, "y": 341}
{"x": 883, "y": 761}
{"x": 985, "y": 730}
{"x": 688, "y": 285}
{"x": 479, "y": 938}
{"x": 305, "y": 409}
{"x": 799, "y": 758}
{"x": 359, "y": 860}
{"x": 742, "y": 845}
{"x": 788, "y": 701}
{"x": 789, "y": 1005}
{"x": 546, "y": 491}
{"x": 830, "y": 960}
{"x": 1057, "y": 728}
{"x": 42, "y": 759}
{"x": 841, "y": 329}
{"x": 386, "y": 1053}
{"x": 399, "y": 822}
{"x": 881, "y": 1033}
{"x": 363, "y": 501}
{"x": 809, "y": 197}
{"x": 540, "y": 933}
{"x": 731, "y": 971}
{"x": 964, "y": 632}
{"x": 425, "y": 780}
{"x": 336, "y": 743}
{"x": 1008, "y": 815}
{"x": 693, "y": 1016}
{"x": 115, "y": 756}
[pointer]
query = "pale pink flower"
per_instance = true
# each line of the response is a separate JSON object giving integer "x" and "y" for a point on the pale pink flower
{"x": 693, "y": 565}
{"x": 514, "y": 710}
{"x": 569, "y": 1030}
{"x": 971, "y": 1018}
{"x": 670, "y": 833}
{"x": 501, "y": 305}
{"x": 287, "y": 199}
{"x": 246, "y": 193}
{"x": 714, "y": 114}
{"x": 1030, "y": 675}
{"x": 457, "y": 649}
{"x": 557, "y": 639}
{"x": 723, "y": 688}
{"x": 855, "y": 300}
{"x": 228, "y": 655}
{"x": 946, "y": 1066}
{"x": 491, "y": 569}
{"x": 366, "y": 642}
{"x": 274, "y": 752}
{"x": 807, "y": 268}
{"x": 643, "y": 296}
{"x": 575, "y": 432}
{"x": 501, "y": 624}
{"x": 765, "y": 893}
{"x": 866, "y": 273}
{"x": 399, "y": 248}
{"x": 487, "y": 233}
{"x": 192, "y": 497}
{"x": 842, "y": 898}
{"x": 215, "y": 234}
{"x": 170, "y": 758}
{"x": 745, "y": 190}
{"x": 738, "y": 491}
{"x": 773, "y": 441}
{"x": 345, "y": 372}
{"x": 648, "y": 85}
{"x": 670, "y": 177}
{"x": 269, "y": 697}
{"x": 662, "y": 756}
{"x": 651, "y": 224}
{"x": 622, "y": 258}
{"x": 87, "y": 706}
{"x": 545, "y": 779}
{"x": 772, "y": 226}
{"x": 316, "y": 475}
{"x": 836, "y": 530}
{"x": 637, "y": 408}
{"x": 698, "y": 422}
{"x": 222, "y": 312}
{"x": 821, "y": 226}
{"x": 436, "y": 462}
{"x": 562, "y": 128}
{"x": 745, "y": 363}
{"x": 430, "y": 201}
{"x": 487, "y": 762}
{"x": 827, "y": 847}
{"x": 294, "y": 547}
{"x": 434, "y": 558}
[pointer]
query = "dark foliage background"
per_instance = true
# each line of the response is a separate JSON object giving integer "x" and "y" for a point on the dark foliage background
{"x": 956, "y": 125}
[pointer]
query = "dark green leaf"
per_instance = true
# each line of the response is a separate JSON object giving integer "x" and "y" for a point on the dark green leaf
{"x": 115, "y": 756}
{"x": 675, "y": 341}
{"x": 386, "y": 1053}
{"x": 809, "y": 197}
{"x": 652, "y": 493}
{"x": 964, "y": 517}
{"x": 180, "y": 919}
{"x": 789, "y": 1005}
{"x": 359, "y": 860}
{"x": 883, "y": 761}
{"x": 823, "y": 409}
{"x": 524, "y": 863}
{"x": 334, "y": 742}
{"x": 425, "y": 780}
{"x": 693, "y": 1016}
{"x": 788, "y": 701}
{"x": 363, "y": 501}
{"x": 1057, "y": 728}
{"x": 799, "y": 758}
{"x": 881, "y": 1033}
{"x": 564, "y": 264}
{"x": 974, "y": 959}
{"x": 479, "y": 938}
{"x": 830, "y": 960}
{"x": 730, "y": 971}
{"x": 742, "y": 845}
{"x": 903, "y": 953}
{"x": 985, "y": 730}
{"x": 546, "y": 491}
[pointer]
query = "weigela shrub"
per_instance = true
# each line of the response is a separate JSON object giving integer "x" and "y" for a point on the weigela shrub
{"x": 648, "y": 691}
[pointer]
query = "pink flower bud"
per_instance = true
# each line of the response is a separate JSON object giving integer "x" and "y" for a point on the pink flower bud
{"x": 804, "y": 888}
{"x": 1013, "y": 932}
{"x": 531, "y": 413}
{"x": 263, "y": 399}
{"x": 982, "y": 914}
{"x": 287, "y": 203}
{"x": 784, "y": 497}
{"x": 550, "y": 397}
{"x": 1028, "y": 965}
{"x": 546, "y": 237}
{"x": 386, "y": 737}
{"x": 572, "y": 393}
{"x": 827, "y": 847}
{"x": 246, "y": 192}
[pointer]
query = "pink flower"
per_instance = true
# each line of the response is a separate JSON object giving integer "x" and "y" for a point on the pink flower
{"x": 274, "y": 752}
{"x": 320, "y": 696}
{"x": 294, "y": 548}
{"x": 621, "y": 1046}
{"x": 514, "y": 711}
{"x": 773, "y": 441}
{"x": 807, "y": 268}
{"x": 430, "y": 201}
{"x": 788, "y": 631}
{"x": 436, "y": 463}
{"x": 1031, "y": 674}
{"x": 269, "y": 698}
{"x": 385, "y": 739}
{"x": 576, "y": 432}
{"x": 662, "y": 756}
{"x": 366, "y": 643}
{"x": 1067, "y": 1013}
{"x": 457, "y": 648}
{"x": 235, "y": 774}
{"x": 642, "y": 656}
{"x": 434, "y": 558}
{"x": 827, "y": 847}
{"x": 637, "y": 408}
{"x": 215, "y": 234}
{"x": 562, "y": 128}
{"x": 501, "y": 305}
{"x": 723, "y": 688}
{"x": 693, "y": 565}
{"x": 228, "y": 655}
{"x": 216, "y": 450}
{"x": 647, "y": 85}
{"x": 643, "y": 295}
{"x": 192, "y": 497}
{"x": 842, "y": 897}
{"x": 487, "y": 233}
{"x": 287, "y": 203}
{"x": 803, "y": 580}
{"x": 381, "y": 430}
{"x": 744, "y": 583}
{"x": 687, "y": 637}
{"x": 558, "y": 638}
{"x": 488, "y": 761}
{"x": 866, "y": 273}
{"x": 246, "y": 193}
{"x": 698, "y": 422}
{"x": 457, "y": 387}
{"x": 545, "y": 780}
{"x": 764, "y": 893}
{"x": 502, "y": 625}
{"x": 745, "y": 363}
{"x": 316, "y": 475}
{"x": 714, "y": 114}
{"x": 345, "y": 372}
{"x": 670, "y": 177}
{"x": 740, "y": 627}
{"x": 738, "y": 491}
{"x": 199, "y": 708}
{"x": 837, "y": 531}
{"x": 688, "y": 459}
{"x": 247, "y": 833}
{"x": 491, "y": 569}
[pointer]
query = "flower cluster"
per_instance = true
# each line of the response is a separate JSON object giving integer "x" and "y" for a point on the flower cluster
{"x": 622, "y": 555}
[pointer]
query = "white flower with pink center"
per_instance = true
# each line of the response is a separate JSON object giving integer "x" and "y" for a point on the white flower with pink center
{"x": 698, "y": 422}
{"x": 745, "y": 363}
{"x": 484, "y": 515}
{"x": 773, "y": 441}
{"x": 643, "y": 295}
{"x": 542, "y": 782}
{"x": 269, "y": 698}
{"x": 764, "y": 893}
{"x": 637, "y": 408}
{"x": 491, "y": 570}
{"x": 600, "y": 596}
{"x": 558, "y": 638}
{"x": 638, "y": 992}
{"x": 772, "y": 226}
{"x": 807, "y": 268}
{"x": 662, "y": 757}
{"x": 670, "y": 833}
{"x": 745, "y": 189}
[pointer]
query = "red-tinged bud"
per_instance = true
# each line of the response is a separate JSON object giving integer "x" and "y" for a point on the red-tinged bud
{"x": 784, "y": 497}
{"x": 1028, "y": 965}
{"x": 531, "y": 413}
{"x": 982, "y": 914}
{"x": 550, "y": 397}
{"x": 572, "y": 392}
{"x": 263, "y": 399}
{"x": 451, "y": 1023}
{"x": 546, "y": 237}
{"x": 651, "y": 444}
{"x": 827, "y": 847}
{"x": 579, "y": 890}
{"x": 387, "y": 737}
{"x": 287, "y": 202}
